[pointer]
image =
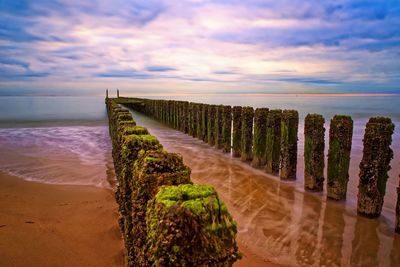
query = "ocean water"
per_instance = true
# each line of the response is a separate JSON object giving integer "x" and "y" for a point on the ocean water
{"x": 64, "y": 140}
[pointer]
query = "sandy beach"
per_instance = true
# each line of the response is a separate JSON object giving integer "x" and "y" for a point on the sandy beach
{"x": 57, "y": 225}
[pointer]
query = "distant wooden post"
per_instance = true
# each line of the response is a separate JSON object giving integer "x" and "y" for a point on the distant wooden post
{"x": 289, "y": 130}
{"x": 273, "y": 144}
{"x": 314, "y": 146}
{"x": 374, "y": 166}
{"x": 107, "y": 93}
{"x": 397, "y": 228}
{"x": 237, "y": 131}
{"x": 340, "y": 135}
{"x": 117, "y": 93}
{"x": 211, "y": 124}
{"x": 247, "y": 133}
{"x": 260, "y": 137}
{"x": 226, "y": 129}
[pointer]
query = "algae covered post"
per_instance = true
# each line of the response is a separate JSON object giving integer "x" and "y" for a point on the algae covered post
{"x": 260, "y": 137}
{"x": 374, "y": 166}
{"x": 199, "y": 124}
{"x": 237, "y": 131}
{"x": 219, "y": 140}
{"x": 289, "y": 130}
{"x": 314, "y": 146}
{"x": 226, "y": 128}
{"x": 204, "y": 121}
{"x": 211, "y": 124}
{"x": 340, "y": 135}
{"x": 247, "y": 133}
{"x": 273, "y": 142}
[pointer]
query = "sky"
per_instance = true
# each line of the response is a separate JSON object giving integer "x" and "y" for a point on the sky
{"x": 196, "y": 46}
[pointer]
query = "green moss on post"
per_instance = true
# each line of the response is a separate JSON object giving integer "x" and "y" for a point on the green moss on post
{"x": 195, "y": 114}
{"x": 186, "y": 117}
{"x": 237, "y": 131}
{"x": 247, "y": 134}
{"x": 314, "y": 146}
{"x": 374, "y": 166}
{"x": 204, "y": 122}
{"x": 226, "y": 129}
{"x": 273, "y": 143}
{"x": 289, "y": 130}
{"x": 152, "y": 170}
{"x": 199, "y": 122}
{"x": 190, "y": 119}
{"x": 211, "y": 124}
{"x": 260, "y": 137}
{"x": 340, "y": 135}
{"x": 219, "y": 140}
{"x": 189, "y": 225}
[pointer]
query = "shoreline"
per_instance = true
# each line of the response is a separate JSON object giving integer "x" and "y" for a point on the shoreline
{"x": 57, "y": 225}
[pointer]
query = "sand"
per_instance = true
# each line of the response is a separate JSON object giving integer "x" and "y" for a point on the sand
{"x": 57, "y": 225}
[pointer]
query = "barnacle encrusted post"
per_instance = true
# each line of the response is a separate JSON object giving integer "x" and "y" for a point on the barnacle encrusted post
{"x": 374, "y": 166}
{"x": 204, "y": 121}
{"x": 314, "y": 146}
{"x": 219, "y": 140}
{"x": 340, "y": 135}
{"x": 152, "y": 170}
{"x": 226, "y": 129}
{"x": 260, "y": 137}
{"x": 211, "y": 124}
{"x": 189, "y": 225}
{"x": 247, "y": 134}
{"x": 237, "y": 131}
{"x": 273, "y": 144}
{"x": 289, "y": 129}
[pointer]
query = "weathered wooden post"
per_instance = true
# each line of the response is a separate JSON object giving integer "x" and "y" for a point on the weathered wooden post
{"x": 397, "y": 228}
{"x": 204, "y": 121}
{"x": 340, "y": 135}
{"x": 226, "y": 129}
{"x": 107, "y": 93}
{"x": 186, "y": 117}
{"x": 190, "y": 119}
{"x": 218, "y": 127}
{"x": 314, "y": 146}
{"x": 273, "y": 143}
{"x": 199, "y": 126}
{"x": 211, "y": 124}
{"x": 289, "y": 129}
{"x": 237, "y": 131}
{"x": 260, "y": 137}
{"x": 247, "y": 134}
{"x": 374, "y": 166}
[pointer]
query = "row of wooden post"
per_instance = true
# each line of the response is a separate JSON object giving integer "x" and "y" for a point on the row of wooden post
{"x": 268, "y": 139}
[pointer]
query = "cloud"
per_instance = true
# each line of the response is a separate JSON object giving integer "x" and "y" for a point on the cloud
{"x": 123, "y": 74}
{"x": 160, "y": 69}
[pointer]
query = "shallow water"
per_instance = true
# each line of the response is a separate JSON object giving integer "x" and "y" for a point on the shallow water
{"x": 278, "y": 220}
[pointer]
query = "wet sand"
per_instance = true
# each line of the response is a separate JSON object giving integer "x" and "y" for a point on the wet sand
{"x": 57, "y": 225}
{"x": 279, "y": 223}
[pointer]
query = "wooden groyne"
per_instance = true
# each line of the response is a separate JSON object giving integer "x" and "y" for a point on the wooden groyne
{"x": 272, "y": 145}
{"x": 165, "y": 219}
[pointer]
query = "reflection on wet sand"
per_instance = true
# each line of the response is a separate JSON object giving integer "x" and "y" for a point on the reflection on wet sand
{"x": 278, "y": 220}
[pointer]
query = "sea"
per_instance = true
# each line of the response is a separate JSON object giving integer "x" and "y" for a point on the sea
{"x": 64, "y": 140}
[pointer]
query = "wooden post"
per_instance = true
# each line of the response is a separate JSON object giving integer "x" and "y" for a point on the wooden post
{"x": 107, "y": 93}
{"x": 340, "y": 135}
{"x": 247, "y": 133}
{"x": 211, "y": 124}
{"x": 260, "y": 137}
{"x": 397, "y": 228}
{"x": 199, "y": 125}
{"x": 314, "y": 146}
{"x": 237, "y": 131}
{"x": 273, "y": 144}
{"x": 117, "y": 93}
{"x": 226, "y": 129}
{"x": 204, "y": 121}
{"x": 219, "y": 140}
{"x": 374, "y": 166}
{"x": 289, "y": 130}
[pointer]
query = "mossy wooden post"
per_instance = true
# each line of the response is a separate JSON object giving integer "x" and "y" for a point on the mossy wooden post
{"x": 260, "y": 137}
{"x": 186, "y": 117}
{"x": 107, "y": 93}
{"x": 189, "y": 225}
{"x": 289, "y": 130}
{"x": 211, "y": 124}
{"x": 195, "y": 112}
{"x": 374, "y": 166}
{"x": 190, "y": 119}
{"x": 237, "y": 131}
{"x": 204, "y": 121}
{"x": 218, "y": 127}
{"x": 314, "y": 146}
{"x": 247, "y": 134}
{"x": 226, "y": 129}
{"x": 199, "y": 122}
{"x": 397, "y": 227}
{"x": 273, "y": 143}
{"x": 340, "y": 136}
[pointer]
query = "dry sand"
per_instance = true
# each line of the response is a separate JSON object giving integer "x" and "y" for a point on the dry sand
{"x": 57, "y": 225}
